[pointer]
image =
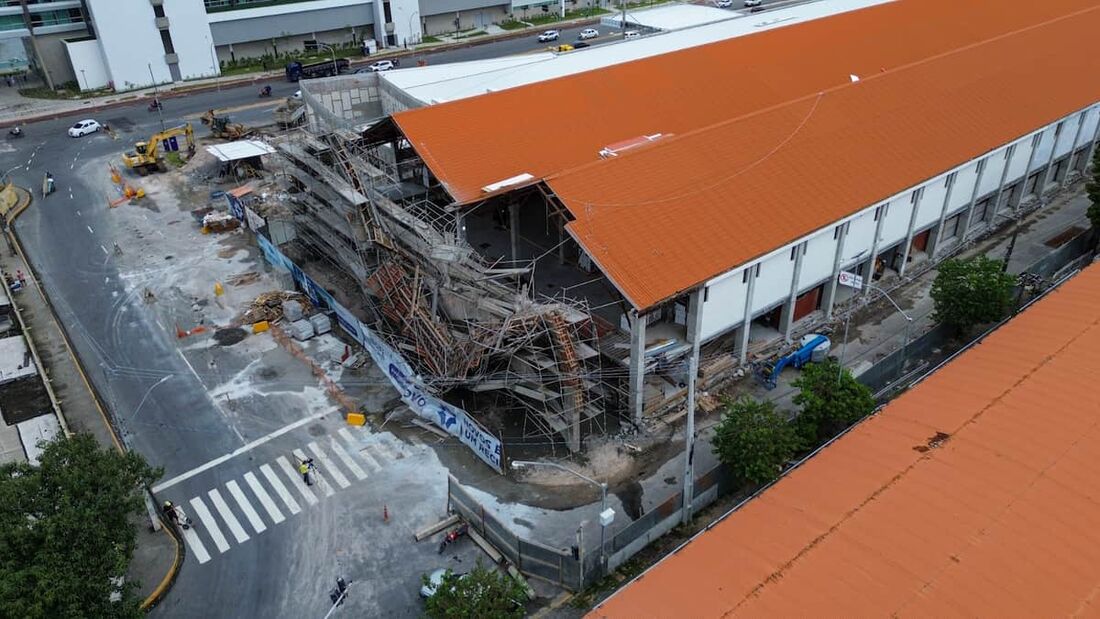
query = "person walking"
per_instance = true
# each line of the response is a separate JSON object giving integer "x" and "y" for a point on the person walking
{"x": 22, "y": 278}
{"x": 304, "y": 467}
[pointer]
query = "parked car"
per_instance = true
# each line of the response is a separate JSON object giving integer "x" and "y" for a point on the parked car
{"x": 549, "y": 35}
{"x": 84, "y": 127}
{"x": 753, "y": 3}
{"x": 632, "y": 34}
{"x": 723, "y": 4}
{"x": 580, "y": 45}
{"x": 589, "y": 33}
{"x": 435, "y": 579}
{"x": 382, "y": 65}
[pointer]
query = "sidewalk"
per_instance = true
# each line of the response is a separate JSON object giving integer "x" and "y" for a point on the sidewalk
{"x": 158, "y": 553}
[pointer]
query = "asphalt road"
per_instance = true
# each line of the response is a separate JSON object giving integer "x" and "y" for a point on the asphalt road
{"x": 159, "y": 392}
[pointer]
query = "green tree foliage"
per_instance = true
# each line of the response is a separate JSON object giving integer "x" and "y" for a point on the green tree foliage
{"x": 754, "y": 440}
{"x": 482, "y": 592}
{"x": 972, "y": 292}
{"x": 831, "y": 400}
{"x": 67, "y": 531}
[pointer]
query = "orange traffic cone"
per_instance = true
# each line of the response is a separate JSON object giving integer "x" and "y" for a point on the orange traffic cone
{"x": 180, "y": 333}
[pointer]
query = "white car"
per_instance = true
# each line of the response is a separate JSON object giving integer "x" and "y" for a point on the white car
{"x": 723, "y": 4}
{"x": 84, "y": 127}
{"x": 588, "y": 33}
{"x": 632, "y": 34}
{"x": 753, "y": 3}
{"x": 549, "y": 35}
{"x": 435, "y": 579}
{"x": 382, "y": 65}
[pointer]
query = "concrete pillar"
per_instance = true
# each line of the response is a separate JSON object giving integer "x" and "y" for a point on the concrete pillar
{"x": 915, "y": 201}
{"x": 1092, "y": 148}
{"x": 694, "y": 328}
{"x": 882, "y": 210}
{"x": 746, "y": 325}
{"x": 830, "y": 288}
{"x": 561, "y": 243}
{"x": 973, "y": 199}
{"x": 1041, "y": 185}
{"x": 513, "y": 228}
{"x": 1027, "y": 171}
{"x": 1073, "y": 147}
{"x": 637, "y": 365}
{"x": 938, "y": 241}
{"x": 1009, "y": 156}
{"x": 460, "y": 226}
{"x": 786, "y": 317}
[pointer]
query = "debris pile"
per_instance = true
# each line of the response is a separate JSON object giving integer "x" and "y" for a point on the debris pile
{"x": 269, "y": 306}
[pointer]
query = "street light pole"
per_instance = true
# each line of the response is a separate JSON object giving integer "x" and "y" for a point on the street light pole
{"x": 335, "y": 69}
{"x": 519, "y": 464}
{"x": 85, "y": 79}
{"x": 908, "y": 324}
{"x": 156, "y": 95}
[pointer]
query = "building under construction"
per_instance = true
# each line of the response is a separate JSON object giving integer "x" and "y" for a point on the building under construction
{"x": 527, "y": 246}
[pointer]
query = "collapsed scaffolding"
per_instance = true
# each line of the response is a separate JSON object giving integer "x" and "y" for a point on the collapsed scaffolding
{"x": 462, "y": 321}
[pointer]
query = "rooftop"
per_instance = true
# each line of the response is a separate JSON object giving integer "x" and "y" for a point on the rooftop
{"x": 971, "y": 494}
{"x": 779, "y": 147}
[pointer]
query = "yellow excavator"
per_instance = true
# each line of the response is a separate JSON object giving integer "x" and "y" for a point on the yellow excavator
{"x": 147, "y": 156}
{"x": 221, "y": 127}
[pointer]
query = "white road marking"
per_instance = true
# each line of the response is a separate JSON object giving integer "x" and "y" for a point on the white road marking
{"x": 227, "y": 515}
{"x": 330, "y": 466}
{"x": 78, "y": 213}
{"x": 194, "y": 544}
{"x": 315, "y": 475}
{"x": 211, "y": 525}
{"x": 348, "y": 461}
{"x": 90, "y": 231}
{"x": 246, "y": 507}
{"x": 104, "y": 250}
{"x": 370, "y": 459}
{"x": 280, "y": 489}
{"x": 296, "y": 480}
{"x": 265, "y": 499}
{"x": 236, "y": 452}
{"x": 349, "y": 439}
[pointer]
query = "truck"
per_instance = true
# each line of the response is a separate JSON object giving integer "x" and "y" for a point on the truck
{"x": 291, "y": 113}
{"x": 326, "y": 68}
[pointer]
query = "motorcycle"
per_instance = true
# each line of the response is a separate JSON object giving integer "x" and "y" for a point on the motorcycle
{"x": 156, "y": 105}
{"x": 453, "y": 535}
{"x": 15, "y": 133}
{"x": 265, "y": 92}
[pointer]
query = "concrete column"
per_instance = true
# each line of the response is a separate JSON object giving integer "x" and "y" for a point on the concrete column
{"x": 1073, "y": 147}
{"x": 694, "y": 328}
{"x": 973, "y": 199}
{"x": 1041, "y": 185}
{"x": 786, "y": 317}
{"x": 460, "y": 226}
{"x": 513, "y": 228}
{"x": 746, "y": 325}
{"x": 561, "y": 243}
{"x": 916, "y": 200}
{"x": 882, "y": 211}
{"x": 1027, "y": 171}
{"x": 1004, "y": 179}
{"x": 936, "y": 242}
{"x": 1092, "y": 148}
{"x": 830, "y": 288}
{"x": 637, "y": 365}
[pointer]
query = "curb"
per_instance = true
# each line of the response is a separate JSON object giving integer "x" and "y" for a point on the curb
{"x": 270, "y": 76}
{"x": 25, "y": 201}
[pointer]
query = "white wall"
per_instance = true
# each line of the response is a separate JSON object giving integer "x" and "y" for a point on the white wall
{"x": 130, "y": 43}
{"x": 725, "y": 304}
{"x": 896, "y": 224}
{"x": 965, "y": 178}
{"x": 817, "y": 263}
{"x": 191, "y": 38}
{"x": 87, "y": 61}
{"x": 774, "y": 283}
{"x": 1020, "y": 159}
{"x": 406, "y": 20}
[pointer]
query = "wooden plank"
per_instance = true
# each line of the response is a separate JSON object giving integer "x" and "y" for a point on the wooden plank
{"x": 493, "y": 553}
{"x": 420, "y": 423}
{"x": 432, "y": 529}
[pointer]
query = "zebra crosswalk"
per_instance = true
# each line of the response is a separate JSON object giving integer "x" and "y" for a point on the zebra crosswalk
{"x": 339, "y": 464}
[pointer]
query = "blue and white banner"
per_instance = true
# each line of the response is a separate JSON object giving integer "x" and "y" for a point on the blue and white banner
{"x": 451, "y": 418}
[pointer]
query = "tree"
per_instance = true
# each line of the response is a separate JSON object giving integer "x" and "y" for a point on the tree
{"x": 831, "y": 400}
{"x": 479, "y": 593}
{"x": 754, "y": 440}
{"x": 972, "y": 292}
{"x": 67, "y": 531}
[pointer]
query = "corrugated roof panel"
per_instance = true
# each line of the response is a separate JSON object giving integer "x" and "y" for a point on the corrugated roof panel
{"x": 999, "y": 520}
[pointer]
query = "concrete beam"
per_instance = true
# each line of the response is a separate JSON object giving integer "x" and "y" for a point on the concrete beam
{"x": 1042, "y": 184}
{"x": 637, "y": 365}
{"x": 694, "y": 327}
{"x": 786, "y": 317}
{"x": 973, "y": 199}
{"x": 1076, "y": 141}
{"x": 513, "y": 228}
{"x": 1027, "y": 170}
{"x": 1009, "y": 157}
{"x": 1092, "y": 148}
{"x": 830, "y": 288}
{"x": 938, "y": 241}
{"x": 746, "y": 324}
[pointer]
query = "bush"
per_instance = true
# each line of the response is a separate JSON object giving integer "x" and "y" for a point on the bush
{"x": 754, "y": 441}
{"x": 972, "y": 292}
{"x": 831, "y": 400}
{"x": 480, "y": 593}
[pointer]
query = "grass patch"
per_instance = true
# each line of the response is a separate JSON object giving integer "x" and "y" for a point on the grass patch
{"x": 471, "y": 35}
{"x": 431, "y": 39}
{"x": 513, "y": 25}
{"x": 41, "y": 92}
{"x": 174, "y": 159}
{"x": 550, "y": 18}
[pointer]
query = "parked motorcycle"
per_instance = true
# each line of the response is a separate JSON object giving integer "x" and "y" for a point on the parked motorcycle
{"x": 453, "y": 535}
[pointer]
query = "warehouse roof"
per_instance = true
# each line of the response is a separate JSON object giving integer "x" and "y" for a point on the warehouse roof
{"x": 972, "y": 494}
{"x": 778, "y": 147}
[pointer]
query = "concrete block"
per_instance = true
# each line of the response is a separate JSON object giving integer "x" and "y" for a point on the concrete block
{"x": 356, "y": 419}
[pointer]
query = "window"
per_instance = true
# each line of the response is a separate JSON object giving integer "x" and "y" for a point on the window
{"x": 310, "y": 45}
{"x": 880, "y": 211}
{"x": 980, "y": 167}
{"x": 836, "y": 232}
{"x": 387, "y": 12}
{"x": 706, "y": 293}
{"x": 951, "y": 227}
{"x": 794, "y": 252}
{"x": 745, "y": 276}
{"x": 166, "y": 41}
{"x": 1009, "y": 151}
{"x": 158, "y": 10}
{"x": 1058, "y": 129}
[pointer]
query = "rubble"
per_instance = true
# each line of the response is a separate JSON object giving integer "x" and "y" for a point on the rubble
{"x": 268, "y": 306}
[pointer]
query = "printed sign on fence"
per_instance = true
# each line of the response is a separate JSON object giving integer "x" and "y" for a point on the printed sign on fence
{"x": 452, "y": 419}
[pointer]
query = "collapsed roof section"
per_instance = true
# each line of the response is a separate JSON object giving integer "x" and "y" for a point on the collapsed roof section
{"x": 753, "y": 141}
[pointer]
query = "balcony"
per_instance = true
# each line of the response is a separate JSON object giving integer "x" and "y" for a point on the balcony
{"x": 217, "y": 6}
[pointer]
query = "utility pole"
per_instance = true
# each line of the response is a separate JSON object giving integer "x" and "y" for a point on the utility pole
{"x": 694, "y": 329}
{"x": 1011, "y": 242}
{"x": 156, "y": 95}
{"x": 622, "y": 24}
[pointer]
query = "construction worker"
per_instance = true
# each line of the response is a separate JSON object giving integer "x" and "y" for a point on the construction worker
{"x": 304, "y": 467}
{"x": 170, "y": 512}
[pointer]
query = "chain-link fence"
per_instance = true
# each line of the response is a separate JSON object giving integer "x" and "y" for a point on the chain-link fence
{"x": 342, "y": 102}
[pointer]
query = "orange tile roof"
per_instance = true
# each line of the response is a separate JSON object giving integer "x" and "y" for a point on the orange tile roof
{"x": 756, "y": 154}
{"x": 1000, "y": 520}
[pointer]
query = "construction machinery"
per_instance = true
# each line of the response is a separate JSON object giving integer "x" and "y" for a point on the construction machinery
{"x": 148, "y": 156}
{"x": 221, "y": 127}
{"x": 291, "y": 113}
{"x": 813, "y": 348}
